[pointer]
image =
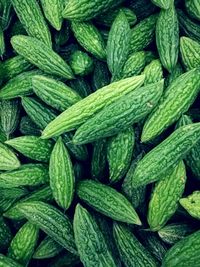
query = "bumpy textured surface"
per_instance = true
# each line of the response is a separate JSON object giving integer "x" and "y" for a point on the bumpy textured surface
{"x": 165, "y": 4}
{"x": 101, "y": 75}
{"x": 53, "y": 222}
{"x": 28, "y": 127}
{"x": 9, "y": 115}
{"x": 177, "y": 71}
{"x": 132, "y": 252}
{"x": 172, "y": 233}
{"x": 48, "y": 248}
{"x": 107, "y": 201}
{"x": 143, "y": 33}
{"x": 81, "y": 63}
{"x": 134, "y": 65}
{"x": 8, "y": 160}
{"x": 193, "y": 8}
{"x": 23, "y": 244}
{"x": 62, "y": 180}
{"x": 54, "y": 93}
{"x": 173, "y": 149}
{"x": 177, "y": 99}
{"x": 190, "y": 53}
{"x": 18, "y": 86}
{"x": 90, "y": 241}
{"x": 27, "y": 175}
{"x": 167, "y": 37}
{"x": 90, "y": 38}
{"x": 120, "y": 114}
{"x": 41, "y": 55}
{"x": 53, "y": 12}
{"x": 119, "y": 154}
{"x": 184, "y": 253}
{"x": 153, "y": 72}
{"x": 84, "y": 109}
{"x": 192, "y": 204}
{"x": 6, "y": 261}
{"x": 165, "y": 197}
{"x": 118, "y": 45}
{"x": 14, "y": 66}
{"x": 85, "y": 10}
{"x": 30, "y": 15}
{"x": 32, "y": 147}
{"x": 42, "y": 115}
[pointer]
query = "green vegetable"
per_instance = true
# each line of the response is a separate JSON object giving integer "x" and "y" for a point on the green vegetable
{"x": 193, "y": 8}
{"x": 81, "y": 63}
{"x": 8, "y": 160}
{"x": 191, "y": 204}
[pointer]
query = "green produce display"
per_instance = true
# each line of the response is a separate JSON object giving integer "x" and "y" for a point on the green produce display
{"x": 99, "y": 133}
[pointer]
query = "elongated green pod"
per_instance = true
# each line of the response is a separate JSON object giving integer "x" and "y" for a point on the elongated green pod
{"x": 62, "y": 180}
{"x": 50, "y": 220}
{"x": 6, "y": 261}
{"x": 191, "y": 204}
{"x": 8, "y": 160}
{"x": 86, "y": 108}
{"x": 32, "y": 19}
{"x": 90, "y": 241}
{"x": 23, "y": 244}
{"x": 32, "y": 147}
{"x": 40, "y": 55}
{"x": 153, "y": 72}
{"x": 107, "y": 201}
{"x": 165, "y": 197}
{"x": 167, "y": 37}
{"x": 193, "y": 8}
{"x": 165, "y": 4}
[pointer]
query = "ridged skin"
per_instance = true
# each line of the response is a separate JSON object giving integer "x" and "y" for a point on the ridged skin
{"x": 165, "y": 4}
{"x": 27, "y": 175}
{"x": 153, "y": 72}
{"x": 81, "y": 63}
{"x": 32, "y": 147}
{"x": 23, "y": 244}
{"x": 120, "y": 114}
{"x": 166, "y": 155}
{"x": 54, "y": 93}
{"x": 8, "y": 160}
{"x": 165, "y": 197}
{"x": 50, "y": 220}
{"x": 42, "y": 115}
{"x": 185, "y": 253}
{"x": 6, "y": 14}
{"x": 132, "y": 252}
{"x": 9, "y": 115}
{"x": 90, "y": 241}
{"x": 108, "y": 17}
{"x": 119, "y": 154}
{"x": 192, "y": 159}
{"x": 190, "y": 53}
{"x": 5, "y": 235}
{"x": 135, "y": 195}
{"x": 98, "y": 161}
{"x": 134, "y": 65}
{"x": 107, "y": 201}
{"x": 40, "y": 55}
{"x": 6, "y": 203}
{"x": 83, "y": 10}
{"x": 14, "y": 66}
{"x": 84, "y": 109}
{"x": 13, "y": 192}
{"x": 189, "y": 27}
{"x": 6, "y": 261}
{"x": 191, "y": 203}
{"x": 18, "y": 86}
{"x": 53, "y": 12}
{"x": 101, "y": 75}
{"x": 172, "y": 233}
{"x": 193, "y": 8}
{"x": 42, "y": 194}
{"x": 28, "y": 127}
{"x": 30, "y": 15}
{"x": 81, "y": 86}
{"x": 143, "y": 33}
{"x": 177, "y": 71}
{"x": 89, "y": 37}
{"x": 62, "y": 180}
{"x": 177, "y": 99}
{"x": 2, "y": 42}
{"x": 118, "y": 45}
{"x": 48, "y": 248}
{"x": 167, "y": 37}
